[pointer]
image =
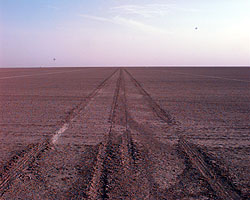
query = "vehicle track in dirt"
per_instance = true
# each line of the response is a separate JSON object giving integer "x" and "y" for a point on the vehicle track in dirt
{"x": 107, "y": 158}
{"x": 122, "y": 167}
{"x": 20, "y": 162}
{"x": 98, "y": 185}
{"x": 222, "y": 186}
{"x": 118, "y": 172}
{"x": 161, "y": 113}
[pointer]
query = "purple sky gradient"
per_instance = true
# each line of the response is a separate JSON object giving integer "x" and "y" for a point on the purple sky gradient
{"x": 124, "y": 33}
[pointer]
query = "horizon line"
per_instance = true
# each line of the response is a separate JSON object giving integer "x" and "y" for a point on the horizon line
{"x": 110, "y": 66}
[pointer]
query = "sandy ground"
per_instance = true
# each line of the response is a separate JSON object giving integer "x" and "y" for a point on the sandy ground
{"x": 120, "y": 131}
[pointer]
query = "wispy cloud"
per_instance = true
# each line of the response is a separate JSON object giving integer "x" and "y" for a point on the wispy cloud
{"x": 145, "y": 11}
{"x": 150, "y": 10}
{"x": 136, "y": 24}
{"x": 53, "y": 7}
{"x": 127, "y": 22}
{"x": 92, "y": 17}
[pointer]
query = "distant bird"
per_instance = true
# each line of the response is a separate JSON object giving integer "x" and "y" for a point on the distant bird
{"x": 54, "y": 59}
{"x": 196, "y": 28}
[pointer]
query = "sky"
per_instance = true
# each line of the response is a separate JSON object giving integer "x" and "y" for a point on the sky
{"x": 124, "y": 33}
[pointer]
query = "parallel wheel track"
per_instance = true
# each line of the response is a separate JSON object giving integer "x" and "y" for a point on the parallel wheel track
{"x": 29, "y": 157}
{"x": 161, "y": 113}
{"x": 98, "y": 186}
{"x": 118, "y": 155}
{"x": 222, "y": 188}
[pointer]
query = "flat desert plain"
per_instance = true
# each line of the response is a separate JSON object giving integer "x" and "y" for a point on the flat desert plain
{"x": 125, "y": 133}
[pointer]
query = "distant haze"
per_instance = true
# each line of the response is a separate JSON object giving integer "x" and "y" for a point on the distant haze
{"x": 124, "y": 33}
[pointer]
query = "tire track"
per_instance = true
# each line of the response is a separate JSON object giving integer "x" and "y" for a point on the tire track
{"x": 115, "y": 170}
{"x": 161, "y": 113}
{"x": 122, "y": 169}
{"x": 99, "y": 183}
{"x": 75, "y": 111}
{"x": 19, "y": 164}
{"x": 137, "y": 177}
{"x": 23, "y": 162}
{"x": 223, "y": 189}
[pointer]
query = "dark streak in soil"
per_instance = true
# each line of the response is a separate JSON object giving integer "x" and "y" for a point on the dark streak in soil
{"x": 99, "y": 184}
{"x": 85, "y": 169}
{"x": 212, "y": 174}
{"x": 120, "y": 168}
{"x": 11, "y": 170}
{"x": 161, "y": 113}
{"x": 220, "y": 171}
{"x": 18, "y": 164}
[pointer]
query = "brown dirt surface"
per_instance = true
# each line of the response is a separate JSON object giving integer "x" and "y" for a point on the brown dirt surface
{"x": 125, "y": 133}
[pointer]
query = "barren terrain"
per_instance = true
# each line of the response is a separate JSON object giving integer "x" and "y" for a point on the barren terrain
{"x": 125, "y": 133}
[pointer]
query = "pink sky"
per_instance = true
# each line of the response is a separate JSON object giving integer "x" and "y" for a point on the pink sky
{"x": 122, "y": 33}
